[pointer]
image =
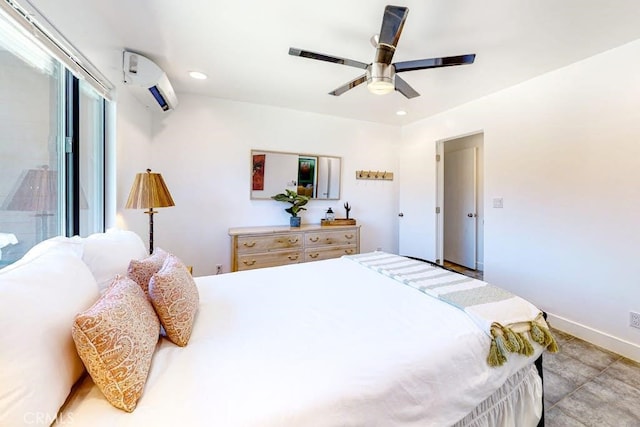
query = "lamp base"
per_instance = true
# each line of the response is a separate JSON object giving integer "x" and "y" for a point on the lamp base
{"x": 150, "y": 212}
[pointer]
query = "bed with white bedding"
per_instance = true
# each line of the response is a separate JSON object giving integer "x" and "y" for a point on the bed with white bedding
{"x": 368, "y": 340}
{"x": 328, "y": 343}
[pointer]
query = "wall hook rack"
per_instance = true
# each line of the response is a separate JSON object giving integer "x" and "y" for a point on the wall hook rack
{"x": 376, "y": 175}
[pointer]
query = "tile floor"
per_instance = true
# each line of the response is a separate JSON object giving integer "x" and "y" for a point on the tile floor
{"x": 585, "y": 385}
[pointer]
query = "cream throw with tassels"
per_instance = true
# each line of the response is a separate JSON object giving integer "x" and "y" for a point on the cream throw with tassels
{"x": 510, "y": 321}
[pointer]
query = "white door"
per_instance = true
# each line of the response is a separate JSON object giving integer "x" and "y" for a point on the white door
{"x": 460, "y": 216}
{"x": 417, "y": 202}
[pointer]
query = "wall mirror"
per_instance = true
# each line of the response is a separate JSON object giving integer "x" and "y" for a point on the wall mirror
{"x": 311, "y": 175}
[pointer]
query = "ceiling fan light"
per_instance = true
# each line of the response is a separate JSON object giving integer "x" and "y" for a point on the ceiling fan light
{"x": 380, "y": 86}
{"x": 380, "y": 78}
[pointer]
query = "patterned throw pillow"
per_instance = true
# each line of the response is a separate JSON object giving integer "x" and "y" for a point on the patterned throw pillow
{"x": 142, "y": 270}
{"x": 116, "y": 339}
{"x": 174, "y": 295}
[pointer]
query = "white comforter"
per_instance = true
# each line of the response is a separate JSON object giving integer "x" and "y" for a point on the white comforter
{"x": 327, "y": 343}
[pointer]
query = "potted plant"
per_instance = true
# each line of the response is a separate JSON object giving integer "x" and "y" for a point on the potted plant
{"x": 297, "y": 204}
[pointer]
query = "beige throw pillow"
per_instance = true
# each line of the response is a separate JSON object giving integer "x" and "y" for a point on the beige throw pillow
{"x": 116, "y": 339}
{"x": 142, "y": 270}
{"x": 174, "y": 295}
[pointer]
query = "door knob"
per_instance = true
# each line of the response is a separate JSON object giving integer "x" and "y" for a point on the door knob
{"x": 470, "y": 215}
{"x": 400, "y": 214}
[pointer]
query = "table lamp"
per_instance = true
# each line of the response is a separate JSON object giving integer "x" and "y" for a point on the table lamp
{"x": 147, "y": 192}
{"x": 37, "y": 192}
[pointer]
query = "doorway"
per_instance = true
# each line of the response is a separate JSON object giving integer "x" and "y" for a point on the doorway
{"x": 460, "y": 223}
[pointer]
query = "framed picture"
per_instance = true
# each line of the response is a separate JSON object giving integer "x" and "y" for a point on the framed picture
{"x": 257, "y": 176}
{"x": 307, "y": 170}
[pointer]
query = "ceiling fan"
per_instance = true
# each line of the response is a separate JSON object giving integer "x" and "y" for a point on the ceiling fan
{"x": 381, "y": 75}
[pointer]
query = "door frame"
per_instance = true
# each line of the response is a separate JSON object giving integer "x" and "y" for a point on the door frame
{"x": 440, "y": 194}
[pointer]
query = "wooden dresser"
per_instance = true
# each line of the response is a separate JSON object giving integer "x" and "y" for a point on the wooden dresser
{"x": 258, "y": 247}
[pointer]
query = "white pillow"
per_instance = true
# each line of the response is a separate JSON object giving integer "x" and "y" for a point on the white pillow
{"x": 39, "y": 299}
{"x": 73, "y": 244}
{"x": 109, "y": 254}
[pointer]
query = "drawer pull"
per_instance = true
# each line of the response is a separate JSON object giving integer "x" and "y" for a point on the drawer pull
{"x": 348, "y": 251}
{"x": 247, "y": 262}
{"x": 348, "y": 236}
{"x": 314, "y": 256}
{"x": 293, "y": 240}
{"x": 249, "y": 244}
{"x": 314, "y": 239}
{"x": 293, "y": 257}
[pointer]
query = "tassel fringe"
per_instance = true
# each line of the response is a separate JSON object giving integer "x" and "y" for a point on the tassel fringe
{"x": 504, "y": 340}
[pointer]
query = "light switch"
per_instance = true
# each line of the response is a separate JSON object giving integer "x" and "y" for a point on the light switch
{"x": 497, "y": 202}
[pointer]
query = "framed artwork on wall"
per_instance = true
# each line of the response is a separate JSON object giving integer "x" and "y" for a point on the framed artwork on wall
{"x": 257, "y": 177}
{"x": 307, "y": 166}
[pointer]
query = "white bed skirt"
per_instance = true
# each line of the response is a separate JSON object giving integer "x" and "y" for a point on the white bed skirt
{"x": 517, "y": 403}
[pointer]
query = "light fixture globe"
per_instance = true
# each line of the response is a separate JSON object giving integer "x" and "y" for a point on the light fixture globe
{"x": 380, "y": 78}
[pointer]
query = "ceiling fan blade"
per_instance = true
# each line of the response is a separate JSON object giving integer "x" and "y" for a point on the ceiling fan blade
{"x": 421, "y": 64}
{"x": 392, "y": 24}
{"x": 353, "y": 83}
{"x": 322, "y": 57}
{"x": 404, "y": 88}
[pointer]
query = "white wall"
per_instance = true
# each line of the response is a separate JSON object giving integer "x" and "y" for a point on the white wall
{"x": 563, "y": 152}
{"x": 133, "y": 155}
{"x": 203, "y": 151}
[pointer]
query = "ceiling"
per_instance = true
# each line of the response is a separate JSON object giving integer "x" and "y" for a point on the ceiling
{"x": 243, "y": 46}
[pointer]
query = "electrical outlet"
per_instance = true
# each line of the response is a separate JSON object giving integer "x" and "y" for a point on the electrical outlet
{"x": 634, "y": 319}
{"x": 218, "y": 268}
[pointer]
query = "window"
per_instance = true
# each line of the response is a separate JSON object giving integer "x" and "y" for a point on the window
{"x": 51, "y": 147}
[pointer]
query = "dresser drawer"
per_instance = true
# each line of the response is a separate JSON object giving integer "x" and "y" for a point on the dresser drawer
{"x": 270, "y": 246}
{"x": 324, "y": 238}
{"x": 269, "y": 259}
{"x": 317, "y": 254}
{"x": 251, "y": 244}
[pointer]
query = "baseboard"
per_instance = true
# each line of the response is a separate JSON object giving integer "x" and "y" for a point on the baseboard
{"x": 611, "y": 343}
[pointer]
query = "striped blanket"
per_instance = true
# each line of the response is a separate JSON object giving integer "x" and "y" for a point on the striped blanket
{"x": 510, "y": 321}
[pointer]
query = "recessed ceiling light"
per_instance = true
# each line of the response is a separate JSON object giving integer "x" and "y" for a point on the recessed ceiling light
{"x": 401, "y": 113}
{"x": 197, "y": 75}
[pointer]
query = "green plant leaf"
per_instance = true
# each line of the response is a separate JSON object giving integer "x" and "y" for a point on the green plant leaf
{"x": 297, "y": 201}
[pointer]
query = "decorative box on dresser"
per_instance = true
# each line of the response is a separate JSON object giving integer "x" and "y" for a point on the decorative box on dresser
{"x": 258, "y": 247}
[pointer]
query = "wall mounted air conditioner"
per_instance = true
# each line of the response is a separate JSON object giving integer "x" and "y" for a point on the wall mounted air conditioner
{"x": 148, "y": 82}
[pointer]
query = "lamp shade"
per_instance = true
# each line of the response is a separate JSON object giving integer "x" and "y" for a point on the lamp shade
{"x": 36, "y": 192}
{"x": 149, "y": 191}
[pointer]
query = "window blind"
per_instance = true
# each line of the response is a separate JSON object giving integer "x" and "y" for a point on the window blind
{"x": 27, "y": 17}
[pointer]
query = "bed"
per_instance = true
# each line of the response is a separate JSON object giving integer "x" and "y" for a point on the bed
{"x": 330, "y": 343}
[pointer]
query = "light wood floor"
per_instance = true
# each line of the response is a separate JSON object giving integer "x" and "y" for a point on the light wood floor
{"x": 476, "y": 274}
